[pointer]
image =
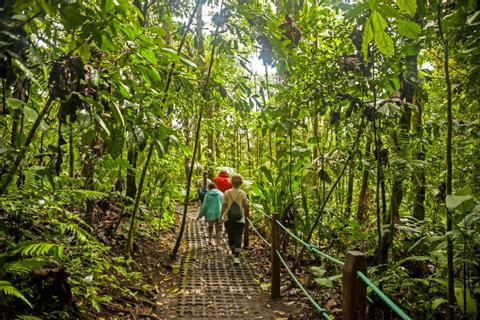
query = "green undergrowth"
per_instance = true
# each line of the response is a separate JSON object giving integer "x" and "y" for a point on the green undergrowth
{"x": 53, "y": 264}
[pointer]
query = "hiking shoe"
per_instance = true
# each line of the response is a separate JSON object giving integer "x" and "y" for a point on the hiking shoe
{"x": 236, "y": 261}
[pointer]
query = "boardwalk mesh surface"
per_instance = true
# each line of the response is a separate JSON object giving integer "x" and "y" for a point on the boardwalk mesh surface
{"x": 211, "y": 286}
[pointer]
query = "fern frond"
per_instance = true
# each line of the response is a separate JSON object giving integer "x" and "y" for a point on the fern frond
{"x": 24, "y": 266}
{"x": 10, "y": 290}
{"x": 77, "y": 196}
{"x": 40, "y": 249}
{"x": 80, "y": 234}
{"x": 33, "y": 182}
{"x": 90, "y": 194}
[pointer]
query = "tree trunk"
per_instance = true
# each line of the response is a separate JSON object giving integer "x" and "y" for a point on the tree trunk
{"x": 365, "y": 193}
{"x": 451, "y": 271}
{"x": 132, "y": 157}
{"x": 315, "y": 148}
{"x": 31, "y": 134}
{"x": 71, "y": 151}
{"x": 60, "y": 142}
{"x": 350, "y": 185}
{"x": 88, "y": 174}
{"x": 197, "y": 135}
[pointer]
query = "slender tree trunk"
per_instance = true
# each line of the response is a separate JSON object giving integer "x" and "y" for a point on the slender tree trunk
{"x": 132, "y": 157}
{"x": 71, "y": 151}
{"x": 60, "y": 142}
{"x": 15, "y": 123}
{"x": 249, "y": 153}
{"x": 199, "y": 152}
{"x": 401, "y": 144}
{"x": 350, "y": 185}
{"x": 327, "y": 197}
{"x": 377, "y": 190}
{"x": 197, "y": 135}
{"x": 418, "y": 176}
{"x": 218, "y": 152}
{"x": 16, "y": 165}
{"x": 451, "y": 271}
{"x": 131, "y": 232}
{"x": 315, "y": 148}
{"x": 365, "y": 193}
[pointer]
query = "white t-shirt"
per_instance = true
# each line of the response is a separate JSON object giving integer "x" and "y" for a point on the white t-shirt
{"x": 200, "y": 183}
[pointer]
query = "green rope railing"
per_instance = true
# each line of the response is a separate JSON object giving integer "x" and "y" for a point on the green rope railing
{"x": 314, "y": 249}
{"x": 258, "y": 233}
{"x": 264, "y": 214}
{"x": 310, "y": 247}
{"x": 384, "y": 297}
{"x": 322, "y": 311}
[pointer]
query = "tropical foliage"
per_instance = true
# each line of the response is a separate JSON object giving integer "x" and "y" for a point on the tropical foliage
{"x": 357, "y": 122}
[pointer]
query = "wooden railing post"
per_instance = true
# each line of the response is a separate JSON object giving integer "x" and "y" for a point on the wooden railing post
{"x": 275, "y": 236}
{"x": 246, "y": 232}
{"x": 354, "y": 290}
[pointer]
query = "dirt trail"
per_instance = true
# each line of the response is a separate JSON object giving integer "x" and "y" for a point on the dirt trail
{"x": 211, "y": 287}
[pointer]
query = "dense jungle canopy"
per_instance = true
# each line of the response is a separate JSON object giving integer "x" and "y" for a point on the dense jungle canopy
{"x": 357, "y": 122}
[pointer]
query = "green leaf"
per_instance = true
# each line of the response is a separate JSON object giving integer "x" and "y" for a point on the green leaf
{"x": 84, "y": 52}
{"x": 88, "y": 137}
{"x": 102, "y": 124}
{"x": 471, "y": 304}
{"x": 367, "y": 37}
{"x": 378, "y": 22}
{"x": 453, "y": 201}
{"x": 83, "y": 119}
{"x": 14, "y": 103}
{"x": 115, "y": 147}
{"x": 324, "y": 282}
{"x": 72, "y": 18}
{"x": 118, "y": 114}
{"x": 189, "y": 62}
{"x": 9, "y": 289}
{"x": 472, "y": 19}
{"x": 437, "y": 302}
{"x": 373, "y": 4}
{"x": 108, "y": 6}
{"x": 107, "y": 43}
{"x": 128, "y": 32}
{"x": 149, "y": 55}
{"x": 124, "y": 90}
{"x": 30, "y": 114}
{"x": 154, "y": 75}
{"x": 384, "y": 43}
{"x": 25, "y": 70}
{"x": 409, "y": 6}
{"x": 409, "y": 29}
{"x": 318, "y": 271}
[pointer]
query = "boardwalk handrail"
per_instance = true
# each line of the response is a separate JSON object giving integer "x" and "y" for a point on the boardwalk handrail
{"x": 258, "y": 233}
{"x": 310, "y": 247}
{"x": 384, "y": 297}
{"x": 301, "y": 287}
{"x": 351, "y": 270}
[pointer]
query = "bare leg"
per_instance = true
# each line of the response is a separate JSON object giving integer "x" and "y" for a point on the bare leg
{"x": 218, "y": 230}
{"x": 210, "y": 231}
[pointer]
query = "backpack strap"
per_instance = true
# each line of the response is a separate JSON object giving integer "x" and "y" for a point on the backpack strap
{"x": 233, "y": 199}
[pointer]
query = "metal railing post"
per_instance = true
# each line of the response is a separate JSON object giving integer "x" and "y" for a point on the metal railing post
{"x": 354, "y": 290}
{"x": 275, "y": 260}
